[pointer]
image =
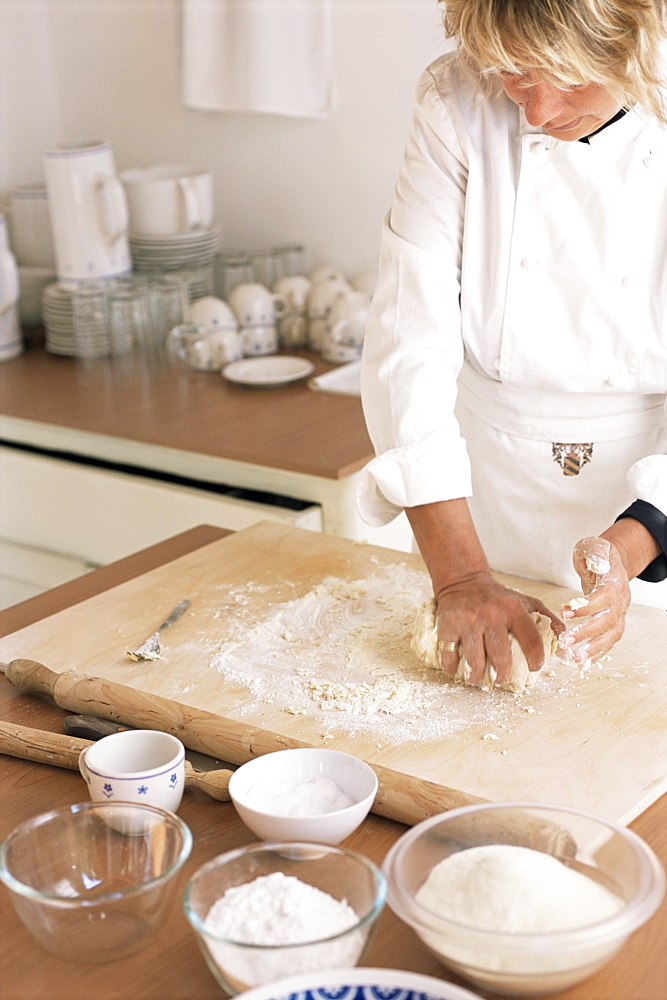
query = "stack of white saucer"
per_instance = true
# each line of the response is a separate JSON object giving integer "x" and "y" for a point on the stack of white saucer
{"x": 193, "y": 251}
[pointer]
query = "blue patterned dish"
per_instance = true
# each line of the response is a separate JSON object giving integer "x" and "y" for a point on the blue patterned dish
{"x": 360, "y": 984}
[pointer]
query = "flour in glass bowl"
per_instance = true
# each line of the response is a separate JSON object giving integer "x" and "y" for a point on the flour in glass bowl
{"x": 340, "y": 655}
{"x": 277, "y": 926}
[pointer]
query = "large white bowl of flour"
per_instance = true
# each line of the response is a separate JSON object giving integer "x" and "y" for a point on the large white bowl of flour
{"x": 523, "y": 899}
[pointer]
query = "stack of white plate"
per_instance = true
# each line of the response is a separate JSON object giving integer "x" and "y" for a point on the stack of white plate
{"x": 59, "y": 326}
{"x": 57, "y": 319}
{"x": 193, "y": 251}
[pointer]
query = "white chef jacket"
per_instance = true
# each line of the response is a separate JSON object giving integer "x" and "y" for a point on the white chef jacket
{"x": 515, "y": 263}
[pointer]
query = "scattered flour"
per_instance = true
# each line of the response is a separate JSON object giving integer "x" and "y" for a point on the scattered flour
{"x": 304, "y": 798}
{"x": 341, "y": 655}
{"x": 279, "y": 909}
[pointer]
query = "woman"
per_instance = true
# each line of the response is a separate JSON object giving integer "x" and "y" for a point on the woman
{"x": 515, "y": 365}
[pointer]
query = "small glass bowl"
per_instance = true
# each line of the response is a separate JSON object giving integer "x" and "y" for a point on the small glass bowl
{"x": 344, "y": 875}
{"x": 92, "y": 881}
{"x": 538, "y": 962}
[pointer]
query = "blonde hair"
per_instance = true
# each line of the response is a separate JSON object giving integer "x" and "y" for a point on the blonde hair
{"x": 615, "y": 43}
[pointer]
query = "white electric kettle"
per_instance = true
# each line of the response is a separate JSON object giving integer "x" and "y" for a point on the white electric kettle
{"x": 88, "y": 211}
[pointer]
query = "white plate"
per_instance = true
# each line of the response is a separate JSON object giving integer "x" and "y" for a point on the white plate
{"x": 271, "y": 369}
{"x": 360, "y": 984}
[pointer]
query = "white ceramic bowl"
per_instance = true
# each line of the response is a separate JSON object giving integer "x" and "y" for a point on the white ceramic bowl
{"x": 287, "y": 932}
{"x": 296, "y": 794}
{"x": 93, "y": 881}
{"x": 535, "y": 962}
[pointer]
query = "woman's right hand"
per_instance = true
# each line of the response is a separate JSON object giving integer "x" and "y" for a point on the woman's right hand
{"x": 476, "y": 616}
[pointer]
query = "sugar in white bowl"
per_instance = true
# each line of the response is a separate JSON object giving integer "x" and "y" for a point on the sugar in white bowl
{"x": 304, "y": 794}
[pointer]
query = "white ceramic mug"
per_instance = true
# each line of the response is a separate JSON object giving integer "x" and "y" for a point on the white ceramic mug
{"x": 138, "y": 765}
{"x": 168, "y": 200}
{"x": 30, "y": 226}
{"x": 88, "y": 213}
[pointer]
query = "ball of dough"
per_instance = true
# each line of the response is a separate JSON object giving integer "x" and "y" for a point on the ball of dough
{"x": 424, "y": 643}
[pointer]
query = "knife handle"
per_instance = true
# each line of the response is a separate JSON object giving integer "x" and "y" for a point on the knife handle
{"x": 30, "y": 676}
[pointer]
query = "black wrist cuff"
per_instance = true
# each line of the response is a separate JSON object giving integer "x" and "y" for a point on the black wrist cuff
{"x": 655, "y": 522}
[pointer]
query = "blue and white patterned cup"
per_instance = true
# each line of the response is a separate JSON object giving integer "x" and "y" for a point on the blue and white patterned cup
{"x": 139, "y": 765}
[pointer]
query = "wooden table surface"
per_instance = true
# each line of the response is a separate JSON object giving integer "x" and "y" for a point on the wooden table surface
{"x": 171, "y": 966}
{"x": 290, "y": 427}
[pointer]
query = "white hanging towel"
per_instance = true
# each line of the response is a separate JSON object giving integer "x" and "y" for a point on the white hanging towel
{"x": 267, "y": 56}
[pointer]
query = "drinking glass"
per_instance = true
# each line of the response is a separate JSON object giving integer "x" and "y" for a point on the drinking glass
{"x": 130, "y": 323}
{"x": 168, "y": 309}
{"x": 231, "y": 269}
{"x": 267, "y": 268}
{"x": 90, "y": 322}
{"x": 292, "y": 258}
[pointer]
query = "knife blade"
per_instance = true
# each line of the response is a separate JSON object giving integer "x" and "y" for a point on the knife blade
{"x": 88, "y": 727}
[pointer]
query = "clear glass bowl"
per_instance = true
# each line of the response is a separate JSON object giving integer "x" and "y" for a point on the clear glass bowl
{"x": 342, "y": 874}
{"x": 536, "y": 962}
{"x": 92, "y": 881}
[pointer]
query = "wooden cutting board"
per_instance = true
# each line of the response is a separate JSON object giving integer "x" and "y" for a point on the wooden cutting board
{"x": 307, "y": 636}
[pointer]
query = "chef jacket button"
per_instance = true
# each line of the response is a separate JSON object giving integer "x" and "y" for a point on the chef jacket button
{"x": 527, "y": 262}
{"x": 647, "y": 161}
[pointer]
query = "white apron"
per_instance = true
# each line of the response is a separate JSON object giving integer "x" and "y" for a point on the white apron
{"x": 545, "y": 476}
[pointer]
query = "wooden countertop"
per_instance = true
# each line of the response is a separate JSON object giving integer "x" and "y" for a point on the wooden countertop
{"x": 171, "y": 967}
{"x": 291, "y": 428}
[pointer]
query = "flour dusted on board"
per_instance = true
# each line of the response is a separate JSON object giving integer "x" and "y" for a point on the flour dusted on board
{"x": 340, "y": 654}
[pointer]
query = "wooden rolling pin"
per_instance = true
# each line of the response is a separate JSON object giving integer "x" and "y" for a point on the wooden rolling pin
{"x": 403, "y": 798}
{"x": 63, "y": 751}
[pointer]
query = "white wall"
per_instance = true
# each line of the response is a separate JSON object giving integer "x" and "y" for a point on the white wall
{"x": 84, "y": 69}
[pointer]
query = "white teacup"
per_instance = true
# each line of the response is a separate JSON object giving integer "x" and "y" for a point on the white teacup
{"x": 293, "y": 324}
{"x": 320, "y": 300}
{"x": 254, "y": 305}
{"x": 194, "y": 346}
{"x": 30, "y": 227}
{"x": 258, "y": 340}
{"x": 326, "y": 273}
{"x": 88, "y": 213}
{"x": 339, "y": 354}
{"x": 168, "y": 200}
{"x": 347, "y": 320}
{"x": 138, "y": 765}
{"x": 212, "y": 313}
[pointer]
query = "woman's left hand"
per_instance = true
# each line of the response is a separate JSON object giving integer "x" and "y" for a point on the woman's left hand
{"x": 595, "y": 626}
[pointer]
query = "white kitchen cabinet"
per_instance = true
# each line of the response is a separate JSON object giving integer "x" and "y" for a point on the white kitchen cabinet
{"x": 60, "y": 518}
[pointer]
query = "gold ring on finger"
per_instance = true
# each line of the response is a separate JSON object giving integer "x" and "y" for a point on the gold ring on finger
{"x": 448, "y": 647}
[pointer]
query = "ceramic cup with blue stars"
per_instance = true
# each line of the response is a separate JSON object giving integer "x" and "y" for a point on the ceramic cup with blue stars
{"x": 138, "y": 765}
